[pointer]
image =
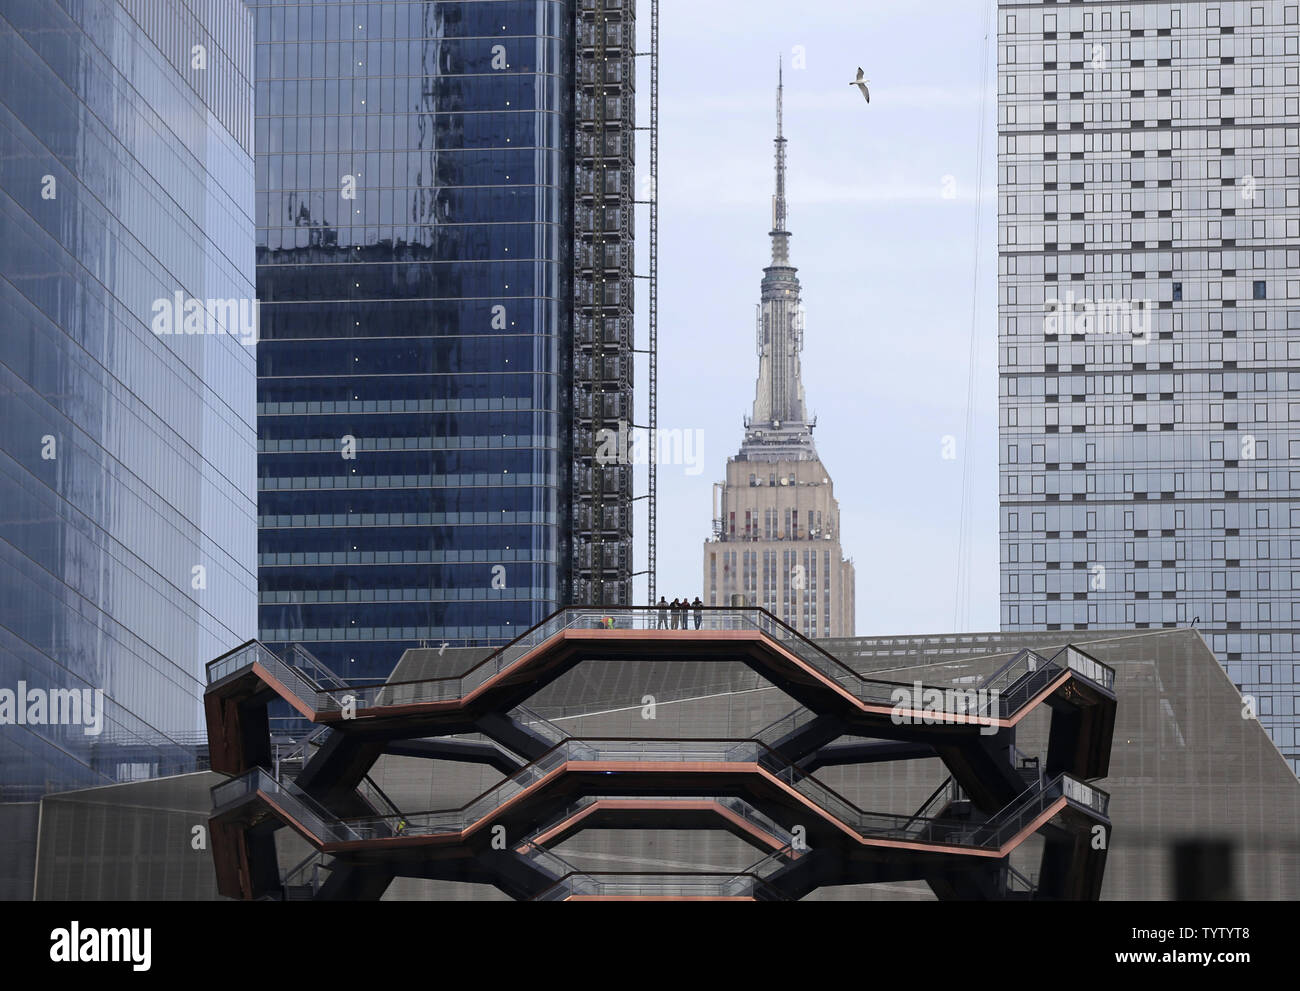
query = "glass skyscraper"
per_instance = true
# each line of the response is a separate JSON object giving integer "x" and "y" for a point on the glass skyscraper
{"x": 422, "y": 262}
{"x": 127, "y": 457}
{"x": 1149, "y": 329}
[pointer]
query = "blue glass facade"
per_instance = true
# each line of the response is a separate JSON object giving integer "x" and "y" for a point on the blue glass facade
{"x": 414, "y": 217}
{"x": 127, "y": 464}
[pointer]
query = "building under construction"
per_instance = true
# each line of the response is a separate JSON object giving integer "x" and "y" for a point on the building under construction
{"x": 445, "y": 343}
{"x": 603, "y": 339}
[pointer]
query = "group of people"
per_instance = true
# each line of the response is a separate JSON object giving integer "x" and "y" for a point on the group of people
{"x": 677, "y": 610}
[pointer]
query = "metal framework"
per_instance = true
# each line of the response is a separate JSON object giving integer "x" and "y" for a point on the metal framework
{"x": 603, "y": 301}
{"x": 652, "y": 494}
{"x": 763, "y": 787}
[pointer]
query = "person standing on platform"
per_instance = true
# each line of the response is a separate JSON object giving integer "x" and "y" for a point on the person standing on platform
{"x": 663, "y": 613}
{"x": 699, "y": 611}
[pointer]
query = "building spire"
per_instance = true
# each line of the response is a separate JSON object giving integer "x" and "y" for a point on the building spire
{"x": 780, "y": 428}
{"x": 780, "y": 235}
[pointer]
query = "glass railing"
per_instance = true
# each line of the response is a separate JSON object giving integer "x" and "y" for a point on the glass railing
{"x": 540, "y": 725}
{"x": 1023, "y": 661}
{"x": 546, "y": 860}
{"x": 294, "y": 678}
{"x": 1036, "y": 799}
{"x": 1016, "y": 680}
{"x": 1085, "y": 794}
{"x": 377, "y": 799}
{"x": 1088, "y": 666}
{"x": 303, "y": 659}
{"x": 751, "y": 815}
{"x": 1015, "y": 683}
{"x": 292, "y": 800}
{"x": 234, "y": 789}
{"x": 229, "y": 663}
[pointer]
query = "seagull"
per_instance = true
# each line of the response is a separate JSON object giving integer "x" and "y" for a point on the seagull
{"x": 861, "y": 84}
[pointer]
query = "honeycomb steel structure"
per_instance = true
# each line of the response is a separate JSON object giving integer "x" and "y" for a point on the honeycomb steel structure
{"x": 763, "y": 789}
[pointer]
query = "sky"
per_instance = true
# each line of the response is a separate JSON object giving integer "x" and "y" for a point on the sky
{"x": 883, "y": 200}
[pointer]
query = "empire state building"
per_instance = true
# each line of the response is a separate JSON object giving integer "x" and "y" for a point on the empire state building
{"x": 776, "y": 525}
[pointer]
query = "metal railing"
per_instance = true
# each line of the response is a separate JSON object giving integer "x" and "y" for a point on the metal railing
{"x": 292, "y": 800}
{"x": 376, "y": 798}
{"x": 751, "y": 815}
{"x": 1017, "y": 882}
{"x": 306, "y": 873}
{"x": 777, "y": 730}
{"x": 1086, "y": 795}
{"x": 1028, "y": 673}
{"x": 1035, "y": 800}
{"x": 869, "y": 825}
{"x": 303, "y": 659}
{"x": 301, "y": 684}
{"x": 1016, "y": 683}
{"x": 300, "y": 749}
{"x": 737, "y": 806}
{"x": 1089, "y": 667}
{"x": 540, "y": 725}
{"x": 546, "y": 860}
{"x": 947, "y": 793}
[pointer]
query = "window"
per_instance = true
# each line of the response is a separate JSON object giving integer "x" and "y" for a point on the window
{"x": 1261, "y": 290}
{"x": 1178, "y": 292}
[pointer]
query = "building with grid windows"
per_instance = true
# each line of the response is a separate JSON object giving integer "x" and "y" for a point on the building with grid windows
{"x": 444, "y": 258}
{"x": 1149, "y": 328}
{"x": 127, "y": 457}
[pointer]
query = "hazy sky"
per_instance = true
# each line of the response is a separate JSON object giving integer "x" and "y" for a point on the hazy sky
{"x": 887, "y": 264}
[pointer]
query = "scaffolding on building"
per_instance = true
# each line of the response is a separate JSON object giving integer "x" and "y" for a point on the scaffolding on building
{"x": 604, "y": 338}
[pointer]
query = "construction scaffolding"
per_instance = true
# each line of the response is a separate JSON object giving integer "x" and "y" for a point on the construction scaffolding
{"x": 604, "y": 335}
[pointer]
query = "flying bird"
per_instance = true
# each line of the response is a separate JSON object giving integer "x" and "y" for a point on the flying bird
{"x": 861, "y": 84}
